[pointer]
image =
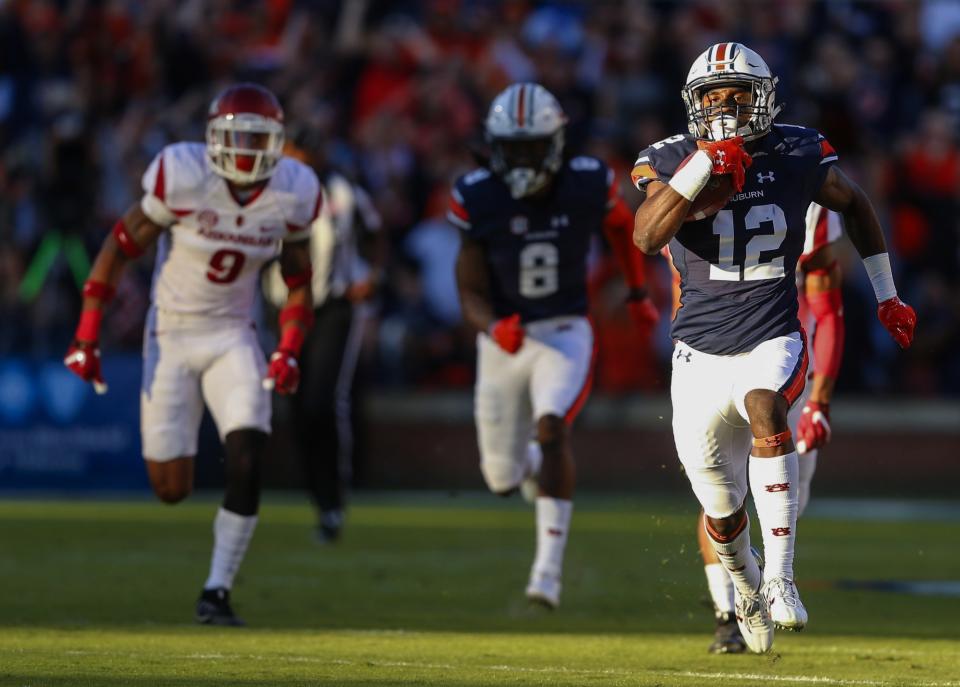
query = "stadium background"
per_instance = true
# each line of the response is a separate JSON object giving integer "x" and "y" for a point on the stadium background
{"x": 393, "y": 94}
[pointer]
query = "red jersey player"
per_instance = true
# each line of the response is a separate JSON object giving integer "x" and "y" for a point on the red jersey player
{"x": 218, "y": 213}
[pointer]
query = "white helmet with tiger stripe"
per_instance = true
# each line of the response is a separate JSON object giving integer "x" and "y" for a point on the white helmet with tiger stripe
{"x": 729, "y": 64}
{"x": 525, "y": 131}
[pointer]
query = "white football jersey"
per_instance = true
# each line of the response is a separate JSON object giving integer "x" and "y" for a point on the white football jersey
{"x": 209, "y": 261}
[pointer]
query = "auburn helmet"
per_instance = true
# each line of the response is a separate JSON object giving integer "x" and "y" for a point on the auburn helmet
{"x": 245, "y": 133}
{"x": 525, "y": 131}
{"x": 730, "y": 64}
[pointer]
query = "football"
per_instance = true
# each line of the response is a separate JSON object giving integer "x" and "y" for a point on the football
{"x": 712, "y": 197}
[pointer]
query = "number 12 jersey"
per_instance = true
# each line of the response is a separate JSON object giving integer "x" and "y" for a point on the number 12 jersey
{"x": 737, "y": 267}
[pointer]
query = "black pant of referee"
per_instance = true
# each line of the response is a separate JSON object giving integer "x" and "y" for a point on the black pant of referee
{"x": 323, "y": 410}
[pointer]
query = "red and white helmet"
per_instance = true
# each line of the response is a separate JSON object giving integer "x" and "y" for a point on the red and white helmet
{"x": 525, "y": 131}
{"x": 728, "y": 64}
{"x": 245, "y": 133}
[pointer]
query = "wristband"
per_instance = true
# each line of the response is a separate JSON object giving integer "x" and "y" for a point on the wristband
{"x": 98, "y": 289}
{"x": 881, "y": 276}
{"x": 296, "y": 313}
{"x": 692, "y": 177}
{"x": 128, "y": 246}
{"x": 291, "y": 340}
{"x": 88, "y": 331}
{"x": 294, "y": 281}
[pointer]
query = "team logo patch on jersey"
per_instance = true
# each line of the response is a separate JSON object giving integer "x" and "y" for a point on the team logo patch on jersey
{"x": 519, "y": 225}
{"x": 208, "y": 219}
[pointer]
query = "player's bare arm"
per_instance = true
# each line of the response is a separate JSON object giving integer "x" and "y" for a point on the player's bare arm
{"x": 659, "y": 217}
{"x": 296, "y": 318}
{"x": 841, "y": 194}
{"x": 138, "y": 233}
{"x": 663, "y": 212}
{"x": 295, "y": 261}
{"x": 130, "y": 237}
{"x": 473, "y": 284}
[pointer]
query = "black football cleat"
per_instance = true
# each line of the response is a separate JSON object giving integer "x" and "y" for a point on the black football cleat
{"x": 213, "y": 608}
{"x": 330, "y": 527}
{"x": 727, "y": 638}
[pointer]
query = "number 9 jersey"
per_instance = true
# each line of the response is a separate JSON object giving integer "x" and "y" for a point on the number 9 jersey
{"x": 209, "y": 261}
{"x": 536, "y": 249}
{"x": 737, "y": 267}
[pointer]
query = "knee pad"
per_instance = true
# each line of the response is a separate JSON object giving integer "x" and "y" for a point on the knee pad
{"x": 502, "y": 474}
{"x": 244, "y": 449}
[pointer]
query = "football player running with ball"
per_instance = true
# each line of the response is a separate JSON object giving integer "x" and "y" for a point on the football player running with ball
{"x": 527, "y": 220}
{"x": 740, "y": 357}
{"x": 818, "y": 280}
{"x": 218, "y": 212}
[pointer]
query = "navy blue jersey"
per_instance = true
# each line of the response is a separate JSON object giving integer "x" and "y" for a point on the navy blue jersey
{"x": 737, "y": 267}
{"x": 536, "y": 249}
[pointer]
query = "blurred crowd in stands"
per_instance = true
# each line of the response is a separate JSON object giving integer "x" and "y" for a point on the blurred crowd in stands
{"x": 393, "y": 94}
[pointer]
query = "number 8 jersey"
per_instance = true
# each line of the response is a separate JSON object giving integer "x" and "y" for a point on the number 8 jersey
{"x": 737, "y": 284}
{"x": 209, "y": 261}
{"x": 536, "y": 249}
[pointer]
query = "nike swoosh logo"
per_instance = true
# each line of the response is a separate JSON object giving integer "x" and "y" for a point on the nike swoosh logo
{"x": 754, "y": 65}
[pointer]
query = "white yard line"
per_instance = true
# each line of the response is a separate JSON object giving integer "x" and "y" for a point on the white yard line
{"x": 617, "y": 672}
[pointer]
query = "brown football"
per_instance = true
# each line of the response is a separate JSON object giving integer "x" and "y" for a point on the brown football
{"x": 712, "y": 197}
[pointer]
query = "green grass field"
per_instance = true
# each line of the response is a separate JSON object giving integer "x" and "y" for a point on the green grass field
{"x": 426, "y": 589}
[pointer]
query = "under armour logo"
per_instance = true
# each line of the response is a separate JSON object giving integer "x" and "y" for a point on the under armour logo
{"x": 558, "y": 221}
{"x": 780, "y": 531}
{"x": 777, "y": 487}
{"x": 554, "y": 532}
{"x": 761, "y": 177}
{"x": 685, "y": 355}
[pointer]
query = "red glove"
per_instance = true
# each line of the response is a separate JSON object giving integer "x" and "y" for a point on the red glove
{"x": 899, "y": 319}
{"x": 83, "y": 360}
{"x": 508, "y": 333}
{"x": 813, "y": 428}
{"x": 729, "y": 157}
{"x": 643, "y": 313}
{"x": 83, "y": 356}
{"x": 283, "y": 373}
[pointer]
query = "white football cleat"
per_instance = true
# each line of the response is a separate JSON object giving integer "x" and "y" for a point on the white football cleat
{"x": 544, "y": 589}
{"x": 754, "y": 621}
{"x": 786, "y": 609}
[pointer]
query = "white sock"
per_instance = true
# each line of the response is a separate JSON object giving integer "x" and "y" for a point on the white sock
{"x": 774, "y": 483}
{"x": 739, "y": 563}
{"x": 721, "y": 587}
{"x": 807, "y": 464}
{"x": 231, "y": 536}
{"x": 534, "y": 458}
{"x": 553, "y": 523}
